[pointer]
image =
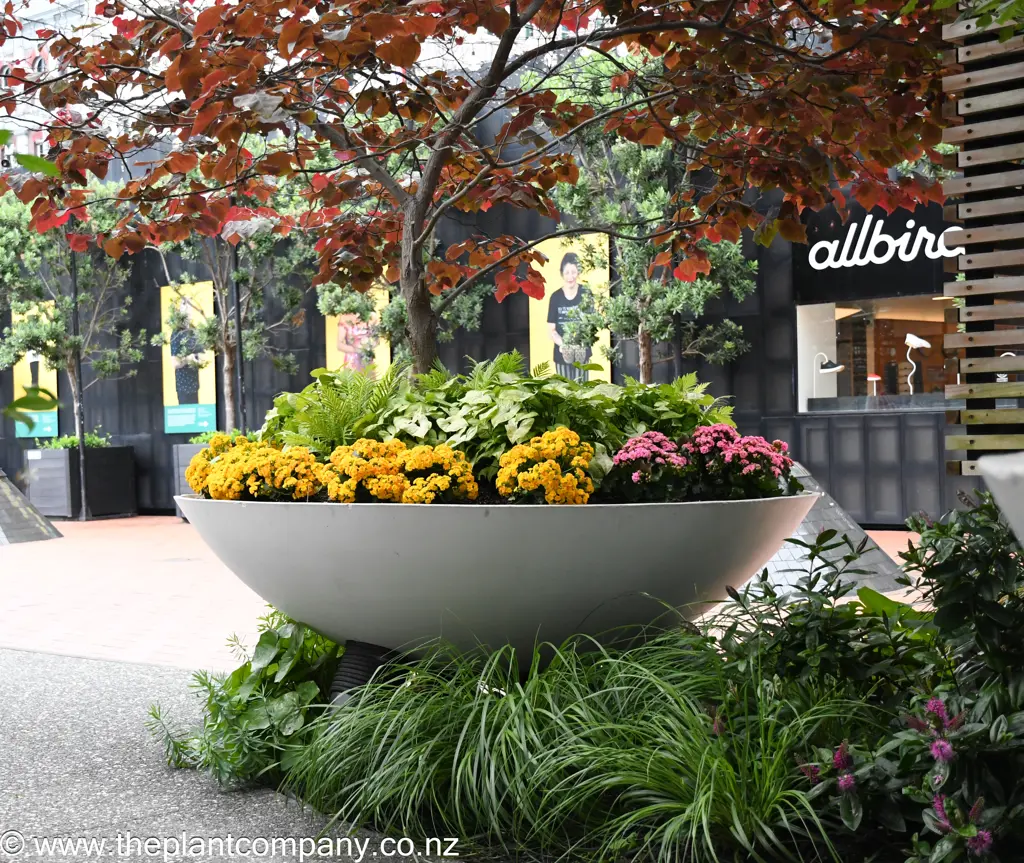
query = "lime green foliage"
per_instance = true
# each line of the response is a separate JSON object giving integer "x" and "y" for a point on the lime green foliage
{"x": 206, "y": 436}
{"x": 34, "y": 399}
{"x": 258, "y": 713}
{"x": 498, "y": 404}
{"x": 335, "y": 410}
{"x": 93, "y": 438}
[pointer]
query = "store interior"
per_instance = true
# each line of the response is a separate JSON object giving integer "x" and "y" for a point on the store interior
{"x": 875, "y": 354}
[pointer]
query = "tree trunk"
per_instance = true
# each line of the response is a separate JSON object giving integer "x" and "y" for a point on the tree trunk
{"x": 79, "y": 409}
{"x": 421, "y": 322}
{"x": 644, "y": 348}
{"x": 228, "y": 386}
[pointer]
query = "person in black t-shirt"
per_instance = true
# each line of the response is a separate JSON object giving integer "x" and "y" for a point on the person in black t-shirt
{"x": 571, "y": 295}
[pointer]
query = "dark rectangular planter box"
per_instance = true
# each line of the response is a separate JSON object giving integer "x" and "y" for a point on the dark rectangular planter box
{"x": 52, "y": 479}
{"x": 183, "y": 453}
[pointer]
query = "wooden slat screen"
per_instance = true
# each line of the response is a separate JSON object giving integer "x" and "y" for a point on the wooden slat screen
{"x": 983, "y": 88}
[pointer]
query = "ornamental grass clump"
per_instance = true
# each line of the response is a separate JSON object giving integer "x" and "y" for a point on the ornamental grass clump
{"x": 389, "y": 471}
{"x": 552, "y": 468}
{"x": 650, "y": 752}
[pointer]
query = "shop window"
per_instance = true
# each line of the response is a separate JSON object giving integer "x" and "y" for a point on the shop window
{"x": 876, "y": 354}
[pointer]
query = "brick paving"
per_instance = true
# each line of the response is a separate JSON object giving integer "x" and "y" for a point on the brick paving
{"x": 144, "y": 590}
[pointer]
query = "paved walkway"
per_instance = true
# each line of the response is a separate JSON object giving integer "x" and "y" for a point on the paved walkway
{"x": 137, "y": 590}
{"x": 77, "y": 765}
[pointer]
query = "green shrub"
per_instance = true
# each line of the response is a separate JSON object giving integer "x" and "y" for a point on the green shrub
{"x": 335, "y": 410}
{"x": 497, "y": 405}
{"x": 254, "y": 716}
{"x": 93, "y": 438}
{"x": 207, "y": 436}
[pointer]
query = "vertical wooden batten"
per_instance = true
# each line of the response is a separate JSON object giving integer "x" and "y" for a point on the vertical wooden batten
{"x": 983, "y": 88}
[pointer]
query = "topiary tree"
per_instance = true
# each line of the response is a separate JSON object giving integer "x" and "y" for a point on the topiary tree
{"x": 38, "y": 272}
{"x": 68, "y": 303}
{"x": 272, "y": 274}
{"x": 624, "y": 183}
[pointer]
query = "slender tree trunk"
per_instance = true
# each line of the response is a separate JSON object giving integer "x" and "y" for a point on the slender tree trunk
{"x": 644, "y": 347}
{"x": 228, "y": 386}
{"x": 79, "y": 409}
{"x": 421, "y": 322}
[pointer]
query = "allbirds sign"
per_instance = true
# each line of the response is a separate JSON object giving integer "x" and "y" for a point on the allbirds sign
{"x": 864, "y": 245}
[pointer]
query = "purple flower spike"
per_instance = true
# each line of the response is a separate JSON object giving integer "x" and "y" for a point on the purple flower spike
{"x": 842, "y": 760}
{"x": 847, "y": 783}
{"x": 937, "y": 708}
{"x": 980, "y": 844}
{"x": 939, "y": 805}
{"x": 942, "y": 750}
{"x": 812, "y": 772}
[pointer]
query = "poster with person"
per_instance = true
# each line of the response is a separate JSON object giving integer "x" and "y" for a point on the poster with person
{"x": 32, "y": 371}
{"x": 351, "y": 343}
{"x": 189, "y": 375}
{"x": 575, "y": 276}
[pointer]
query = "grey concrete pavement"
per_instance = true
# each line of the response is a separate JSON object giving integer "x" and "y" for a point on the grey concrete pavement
{"x": 76, "y": 762}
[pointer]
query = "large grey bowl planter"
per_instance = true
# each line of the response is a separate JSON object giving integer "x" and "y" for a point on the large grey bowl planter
{"x": 397, "y": 575}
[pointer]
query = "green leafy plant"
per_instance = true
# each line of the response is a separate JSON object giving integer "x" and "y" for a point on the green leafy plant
{"x": 335, "y": 410}
{"x": 207, "y": 436}
{"x": 34, "y": 399}
{"x": 94, "y": 438}
{"x": 647, "y": 752}
{"x": 498, "y": 405}
{"x": 255, "y": 717}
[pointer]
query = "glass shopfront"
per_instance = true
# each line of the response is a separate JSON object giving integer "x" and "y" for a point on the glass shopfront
{"x": 875, "y": 354}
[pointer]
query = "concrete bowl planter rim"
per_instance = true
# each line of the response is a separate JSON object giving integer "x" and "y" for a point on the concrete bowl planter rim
{"x": 400, "y": 575}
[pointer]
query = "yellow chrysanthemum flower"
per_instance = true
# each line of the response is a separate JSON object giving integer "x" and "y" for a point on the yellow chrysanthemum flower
{"x": 554, "y": 462}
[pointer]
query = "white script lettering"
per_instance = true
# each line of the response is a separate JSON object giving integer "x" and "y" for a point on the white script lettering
{"x": 867, "y": 246}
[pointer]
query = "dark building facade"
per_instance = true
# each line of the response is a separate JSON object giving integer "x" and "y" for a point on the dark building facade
{"x": 876, "y": 447}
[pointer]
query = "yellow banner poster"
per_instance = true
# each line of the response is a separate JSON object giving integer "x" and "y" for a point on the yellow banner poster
{"x": 32, "y": 371}
{"x": 576, "y": 273}
{"x": 350, "y": 340}
{"x": 189, "y": 374}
